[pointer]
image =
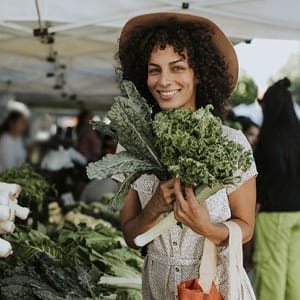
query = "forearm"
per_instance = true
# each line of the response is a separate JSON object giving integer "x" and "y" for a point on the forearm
{"x": 145, "y": 220}
{"x": 218, "y": 232}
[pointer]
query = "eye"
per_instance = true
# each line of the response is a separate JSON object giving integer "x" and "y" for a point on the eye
{"x": 153, "y": 71}
{"x": 178, "y": 68}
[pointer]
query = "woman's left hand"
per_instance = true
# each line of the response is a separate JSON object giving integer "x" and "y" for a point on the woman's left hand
{"x": 189, "y": 211}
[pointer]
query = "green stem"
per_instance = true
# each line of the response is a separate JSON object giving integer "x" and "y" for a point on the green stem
{"x": 202, "y": 193}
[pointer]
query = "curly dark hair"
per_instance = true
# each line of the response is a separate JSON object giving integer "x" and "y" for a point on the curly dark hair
{"x": 209, "y": 67}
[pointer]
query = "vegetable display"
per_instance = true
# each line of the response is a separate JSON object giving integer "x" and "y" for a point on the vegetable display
{"x": 34, "y": 186}
{"x": 9, "y": 209}
{"x": 176, "y": 142}
{"x": 66, "y": 261}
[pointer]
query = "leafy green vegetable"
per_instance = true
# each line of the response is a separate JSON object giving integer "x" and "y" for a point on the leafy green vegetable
{"x": 67, "y": 265}
{"x": 103, "y": 128}
{"x": 131, "y": 122}
{"x": 45, "y": 279}
{"x": 34, "y": 186}
{"x": 118, "y": 199}
{"x": 122, "y": 162}
{"x": 128, "y": 295}
{"x": 192, "y": 145}
{"x": 29, "y": 243}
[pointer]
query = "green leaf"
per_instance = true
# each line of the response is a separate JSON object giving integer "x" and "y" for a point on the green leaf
{"x": 119, "y": 163}
{"x": 129, "y": 89}
{"x": 117, "y": 201}
{"x": 30, "y": 243}
{"x": 103, "y": 128}
{"x": 134, "y": 133}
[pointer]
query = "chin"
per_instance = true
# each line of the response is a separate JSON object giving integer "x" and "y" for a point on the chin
{"x": 168, "y": 105}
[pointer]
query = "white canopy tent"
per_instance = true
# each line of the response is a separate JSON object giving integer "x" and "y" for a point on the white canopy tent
{"x": 85, "y": 40}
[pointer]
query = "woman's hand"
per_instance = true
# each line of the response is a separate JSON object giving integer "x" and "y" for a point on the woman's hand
{"x": 189, "y": 211}
{"x": 164, "y": 197}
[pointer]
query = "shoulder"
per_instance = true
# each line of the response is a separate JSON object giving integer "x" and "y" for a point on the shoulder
{"x": 236, "y": 136}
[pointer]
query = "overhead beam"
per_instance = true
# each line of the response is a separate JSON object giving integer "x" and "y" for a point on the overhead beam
{"x": 17, "y": 27}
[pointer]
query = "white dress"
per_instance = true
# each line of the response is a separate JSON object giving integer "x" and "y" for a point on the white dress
{"x": 12, "y": 152}
{"x": 175, "y": 256}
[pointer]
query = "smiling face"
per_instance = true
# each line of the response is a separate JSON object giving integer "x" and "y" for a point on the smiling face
{"x": 171, "y": 80}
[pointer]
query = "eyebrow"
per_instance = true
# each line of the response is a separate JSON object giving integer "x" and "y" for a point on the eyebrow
{"x": 170, "y": 63}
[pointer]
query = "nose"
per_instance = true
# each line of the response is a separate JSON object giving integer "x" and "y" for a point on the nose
{"x": 165, "y": 79}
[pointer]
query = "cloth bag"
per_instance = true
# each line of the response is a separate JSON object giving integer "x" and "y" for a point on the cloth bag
{"x": 240, "y": 287}
{"x": 203, "y": 288}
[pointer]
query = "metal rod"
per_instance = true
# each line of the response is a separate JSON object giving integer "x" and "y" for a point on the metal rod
{"x": 38, "y": 13}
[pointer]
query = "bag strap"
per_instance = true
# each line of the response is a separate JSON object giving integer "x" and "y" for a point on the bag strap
{"x": 208, "y": 265}
{"x": 235, "y": 249}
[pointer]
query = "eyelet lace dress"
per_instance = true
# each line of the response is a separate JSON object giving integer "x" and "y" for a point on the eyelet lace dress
{"x": 175, "y": 256}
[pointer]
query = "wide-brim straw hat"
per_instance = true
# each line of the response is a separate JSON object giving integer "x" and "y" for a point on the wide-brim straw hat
{"x": 222, "y": 44}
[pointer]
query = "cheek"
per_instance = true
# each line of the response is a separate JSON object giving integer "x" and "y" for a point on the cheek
{"x": 150, "y": 83}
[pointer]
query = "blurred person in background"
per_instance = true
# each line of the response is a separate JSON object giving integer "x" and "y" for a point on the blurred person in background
{"x": 250, "y": 129}
{"x": 88, "y": 143}
{"x": 12, "y": 150}
{"x": 109, "y": 145}
{"x": 101, "y": 190}
{"x": 277, "y": 233}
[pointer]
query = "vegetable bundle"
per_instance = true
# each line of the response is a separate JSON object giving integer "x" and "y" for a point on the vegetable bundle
{"x": 176, "y": 142}
{"x": 9, "y": 209}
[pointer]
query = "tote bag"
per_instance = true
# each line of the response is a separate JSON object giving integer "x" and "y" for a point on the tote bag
{"x": 203, "y": 288}
{"x": 239, "y": 284}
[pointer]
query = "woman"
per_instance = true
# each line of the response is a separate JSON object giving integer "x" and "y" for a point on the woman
{"x": 12, "y": 151}
{"x": 182, "y": 61}
{"x": 88, "y": 143}
{"x": 277, "y": 232}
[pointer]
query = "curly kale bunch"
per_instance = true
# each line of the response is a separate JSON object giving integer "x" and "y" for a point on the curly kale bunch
{"x": 192, "y": 145}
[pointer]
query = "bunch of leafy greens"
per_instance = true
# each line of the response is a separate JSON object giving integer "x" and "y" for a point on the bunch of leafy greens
{"x": 192, "y": 145}
{"x": 178, "y": 141}
{"x": 34, "y": 186}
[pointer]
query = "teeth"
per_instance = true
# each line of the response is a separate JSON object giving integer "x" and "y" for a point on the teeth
{"x": 169, "y": 93}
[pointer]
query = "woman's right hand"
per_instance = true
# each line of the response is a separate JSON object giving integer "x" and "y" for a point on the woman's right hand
{"x": 164, "y": 197}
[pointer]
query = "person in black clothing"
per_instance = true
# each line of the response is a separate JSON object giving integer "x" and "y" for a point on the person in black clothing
{"x": 278, "y": 192}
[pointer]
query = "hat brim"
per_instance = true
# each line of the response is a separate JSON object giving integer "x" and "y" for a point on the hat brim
{"x": 221, "y": 42}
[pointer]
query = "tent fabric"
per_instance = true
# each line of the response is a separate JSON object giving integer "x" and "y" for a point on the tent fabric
{"x": 86, "y": 34}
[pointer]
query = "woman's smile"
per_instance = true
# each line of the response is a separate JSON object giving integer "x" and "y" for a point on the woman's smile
{"x": 168, "y": 94}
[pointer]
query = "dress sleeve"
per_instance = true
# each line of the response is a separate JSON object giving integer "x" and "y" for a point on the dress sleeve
{"x": 239, "y": 137}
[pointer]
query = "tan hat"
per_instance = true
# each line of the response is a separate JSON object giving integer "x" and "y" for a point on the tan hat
{"x": 219, "y": 39}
